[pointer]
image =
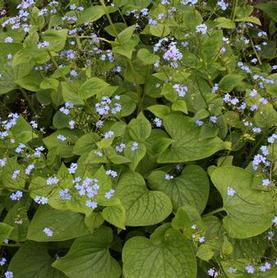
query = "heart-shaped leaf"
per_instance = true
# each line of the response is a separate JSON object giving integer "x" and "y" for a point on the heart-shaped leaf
{"x": 143, "y": 207}
{"x": 188, "y": 144}
{"x": 249, "y": 211}
{"x": 89, "y": 256}
{"x": 166, "y": 254}
{"x": 191, "y": 187}
{"x": 33, "y": 260}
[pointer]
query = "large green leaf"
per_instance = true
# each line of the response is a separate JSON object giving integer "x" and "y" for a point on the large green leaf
{"x": 191, "y": 187}
{"x": 143, "y": 207}
{"x": 165, "y": 255}
{"x": 64, "y": 224}
{"x": 188, "y": 144}
{"x": 89, "y": 256}
{"x": 33, "y": 260}
{"x": 249, "y": 211}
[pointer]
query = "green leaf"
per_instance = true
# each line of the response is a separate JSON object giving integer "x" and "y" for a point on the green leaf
{"x": 226, "y": 23}
{"x": 126, "y": 34}
{"x": 205, "y": 252}
{"x": 128, "y": 106}
{"x": 92, "y": 87}
{"x": 126, "y": 49}
{"x": 166, "y": 254}
{"x": 91, "y": 14}
{"x": 187, "y": 145}
{"x": 5, "y": 231}
{"x": 7, "y": 79}
{"x": 33, "y": 260}
{"x": 64, "y": 224}
{"x": 230, "y": 81}
{"x": 139, "y": 128}
{"x": 86, "y": 143}
{"x": 270, "y": 9}
{"x": 115, "y": 214}
{"x": 56, "y": 39}
{"x": 17, "y": 217}
{"x": 7, "y": 172}
{"x": 89, "y": 256}
{"x": 185, "y": 218}
{"x": 180, "y": 105}
{"x": 70, "y": 93}
{"x": 143, "y": 207}
{"x": 159, "y": 110}
{"x": 266, "y": 116}
{"x": 147, "y": 57}
{"x": 30, "y": 82}
{"x": 191, "y": 187}
{"x": 136, "y": 155}
{"x": 249, "y": 211}
{"x": 22, "y": 131}
{"x": 63, "y": 148}
{"x": 251, "y": 19}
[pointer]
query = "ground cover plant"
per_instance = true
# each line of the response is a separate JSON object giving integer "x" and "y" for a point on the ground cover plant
{"x": 138, "y": 139}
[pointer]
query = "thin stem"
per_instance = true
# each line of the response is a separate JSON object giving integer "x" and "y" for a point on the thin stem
{"x": 214, "y": 211}
{"x": 255, "y": 51}
{"x": 28, "y": 100}
{"x": 234, "y": 9}
{"x": 109, "y": 18}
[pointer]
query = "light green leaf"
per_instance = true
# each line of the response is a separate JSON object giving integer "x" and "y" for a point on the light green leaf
{"x": 33, "y": 260}
{"x": 187, "y": 143}
{"x": 92, "y": 87}
{"x": 185, "y": 218}
{"x": 89, "y": 256}
{"x": 5, "y": 231}
{"x": 86, "y": 143}
{"x": 55, "y": 38}
{"x": 158, "y": 141}
{"x": 91, "y": 14}
{"x": 249, "y": 211}
{"x": 17, "y": 217}
{"x": 166, "y": 255}
{"x": 7, "y": 173}
{"x": 115, "y": 214}
{"x": 135, "y": 155}
{"x": 180, "y": 105}
{"x": 251, "y": 19}
{"x": 223, "y": 22}
{"x": 159, "y": 110}
{"x": 266, "y": 116}
{"x": 64, "y": 224}
{"x": 71, "y": 93}
{"x": 191, "y": 187}
{"x": 143, "y": 207}
{"x": 147, "y": 57}
{"x": 139, "y": 128}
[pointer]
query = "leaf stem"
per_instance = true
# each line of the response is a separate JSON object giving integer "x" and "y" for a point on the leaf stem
{"x": 234, "y": 10}
{"x": 25, "y": 95}
{"x": 214, "y": 211}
